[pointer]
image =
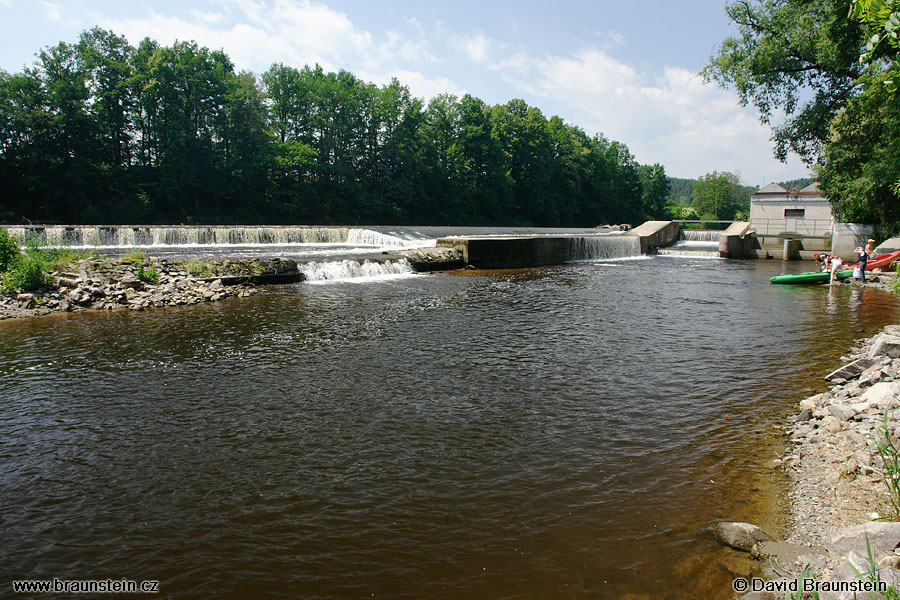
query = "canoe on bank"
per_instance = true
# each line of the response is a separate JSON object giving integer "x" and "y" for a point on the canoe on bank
{"x": 811, "y": 277}
{"x": 879, "y": 262}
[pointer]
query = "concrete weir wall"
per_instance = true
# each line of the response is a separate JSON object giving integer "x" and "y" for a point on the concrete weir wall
{"x": 738, "y": 241}
{"x": 655, "y": 234}
{"x": 509, "y": 252}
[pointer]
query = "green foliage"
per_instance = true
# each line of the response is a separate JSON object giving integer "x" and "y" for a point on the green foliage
{"x": 895, "y": 285}
{"x": 890, "y": 457}
{"x": 803, "y": 59}
{"x": 134, "y": 256}
{"x": 863, "y": 157}
{"x": 195, "y": 266}
{"x": 678, "y": 211}
{"x": 29, "y": 272}
{"x": 795, "y": 57}
{"x": 718, "y": 196}
{"x": 881, "y": 18}
{"x": 149, "y": 275}
{"x": 9, "y": 250}
{"x": 104, "y": 131}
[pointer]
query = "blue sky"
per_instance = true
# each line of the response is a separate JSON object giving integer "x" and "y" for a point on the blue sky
{"x": 628, "y": 71}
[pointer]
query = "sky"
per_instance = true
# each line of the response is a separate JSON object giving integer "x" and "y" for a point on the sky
{"x": 626, "y": 70}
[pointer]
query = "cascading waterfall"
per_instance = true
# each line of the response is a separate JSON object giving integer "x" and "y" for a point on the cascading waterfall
{"x": 367, "y": 237}
{"x": 237, "y": 235}
{"x": 354, "y": 270}
{"x": 700, "y": 235}
{"x": 694, "y": 243}
{"x": 603, "y": 247}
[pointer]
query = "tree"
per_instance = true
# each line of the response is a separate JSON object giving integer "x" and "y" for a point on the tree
{"x": 654, "y": 190}
{"x": 882, "y": 21}
{"x": 795, "y": 56}
{"x": 863, "y": 157}
{"x": 717, "y": 196}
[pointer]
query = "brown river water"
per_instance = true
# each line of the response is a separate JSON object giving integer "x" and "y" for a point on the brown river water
{"x": 564, "y": 432}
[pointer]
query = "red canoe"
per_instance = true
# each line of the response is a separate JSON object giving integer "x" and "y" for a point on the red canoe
{"x": 880, "y": 262}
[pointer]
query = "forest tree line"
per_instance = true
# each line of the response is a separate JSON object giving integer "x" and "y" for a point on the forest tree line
{"x": 101, "y": 131}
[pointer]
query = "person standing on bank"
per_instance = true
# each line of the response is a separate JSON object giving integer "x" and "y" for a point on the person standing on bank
{"x": 864, "y": 258}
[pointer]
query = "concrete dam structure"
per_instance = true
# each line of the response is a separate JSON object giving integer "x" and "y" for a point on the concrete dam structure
{"x": 483, "y": 249}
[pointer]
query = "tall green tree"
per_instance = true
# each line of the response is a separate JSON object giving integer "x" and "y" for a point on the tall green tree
{"x": 717, "y": 196}
{"x": 796, "y": 56}
{"x": 655, "y": 190}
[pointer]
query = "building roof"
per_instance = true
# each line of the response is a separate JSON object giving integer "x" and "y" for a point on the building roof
{"x": 812, "y": 188}
{"x": 772, "y": 188}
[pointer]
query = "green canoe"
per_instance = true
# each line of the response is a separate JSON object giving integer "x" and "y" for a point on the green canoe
{"x": 811, "y": 277}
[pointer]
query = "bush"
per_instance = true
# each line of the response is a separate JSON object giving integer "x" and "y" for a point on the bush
{"x": 9, "y": 250}
{"x": 135, "y": 256}
{"x": 150, "y": 275}
{"x": 30, "y": 270}
{"x": 28, "y": 273}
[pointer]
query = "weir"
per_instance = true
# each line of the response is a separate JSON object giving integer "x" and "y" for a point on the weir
{"x": 138, "y": 236}
{"x": 513, "y": 252}
{"x": 694, "y": 243}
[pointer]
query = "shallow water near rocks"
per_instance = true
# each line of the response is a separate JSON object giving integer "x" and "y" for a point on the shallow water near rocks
{"x": 565, "y": 432}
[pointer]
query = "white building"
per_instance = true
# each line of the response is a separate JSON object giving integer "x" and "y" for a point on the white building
{"x": 775, "y": 211}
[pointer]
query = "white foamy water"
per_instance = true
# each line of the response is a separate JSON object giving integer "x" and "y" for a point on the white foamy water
{"x": 355, "y": 271}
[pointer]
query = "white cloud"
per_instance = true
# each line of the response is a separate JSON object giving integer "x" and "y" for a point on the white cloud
{"x": 6, "y": 4}
{"x": 673, "y": 118}
{"x": 668, "y": 116}
{"x": 476, "y": 47}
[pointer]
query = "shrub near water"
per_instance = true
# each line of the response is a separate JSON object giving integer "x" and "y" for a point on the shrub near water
{"x": 30, "y": 270}
{"x": 9, "y": 250}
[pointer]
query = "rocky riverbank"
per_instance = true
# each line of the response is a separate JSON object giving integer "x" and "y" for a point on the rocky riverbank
{"x": 841, "y": 528}
{"x": 107, "y": 284}
{"x": 110, "y": 283}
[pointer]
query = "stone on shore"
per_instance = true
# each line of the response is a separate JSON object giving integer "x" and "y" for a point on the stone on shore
{"x": 851, "y": 370}
{"x": 882, "y": 394}
{"x": 740, "y": 536}
{"x": 883, "y": 536}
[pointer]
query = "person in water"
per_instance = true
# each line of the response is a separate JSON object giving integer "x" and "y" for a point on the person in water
{"x": 836, "y": 264}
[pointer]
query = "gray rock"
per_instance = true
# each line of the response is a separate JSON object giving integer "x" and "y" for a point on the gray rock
{"x": 216, "y": 285}
{"x": 885, "y": 345}
{"x": 804, "y": 415}
{"x": 841, "y": 412}
{"x": 882, "y": 394}
{"x": 881, "y": 535}
{"x": 741, "y": 536}
{"x": 132, "y": 283}
{"x": 850, "y": 370}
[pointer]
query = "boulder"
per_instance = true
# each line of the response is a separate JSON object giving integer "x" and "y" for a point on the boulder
{"x": 851, "y": 370}
{"x": 882, "y": 535}
{"x": 882, "y": 394}
{"x": 808, "y": 404}
{"x": 841, "y": 412}
{"x": 885, "y": 345}
{"x": 741, "y": 536}
{"x": 831, "y": 424}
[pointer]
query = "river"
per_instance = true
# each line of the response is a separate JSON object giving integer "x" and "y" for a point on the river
{"x": 563, "y": 432}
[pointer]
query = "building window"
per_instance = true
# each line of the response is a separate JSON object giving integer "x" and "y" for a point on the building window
{"x": 794, "y": 213}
